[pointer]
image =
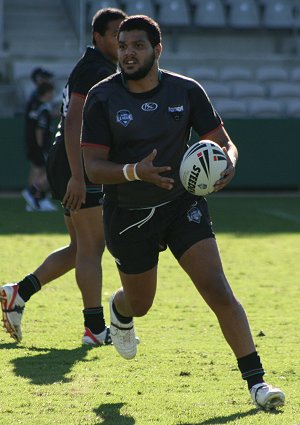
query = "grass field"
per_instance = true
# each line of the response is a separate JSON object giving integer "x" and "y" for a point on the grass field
{"x": 184, "y": 373}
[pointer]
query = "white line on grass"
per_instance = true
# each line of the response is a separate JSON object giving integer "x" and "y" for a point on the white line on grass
{"x": 284, "y": 215}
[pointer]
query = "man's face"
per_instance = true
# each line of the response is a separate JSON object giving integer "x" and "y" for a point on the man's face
{"x": 136, "y": 54}
{"x": 108, "y": 43}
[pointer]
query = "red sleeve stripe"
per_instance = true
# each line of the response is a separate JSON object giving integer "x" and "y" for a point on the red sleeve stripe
{"x": 83, "y": 96}
{"x": 94, "y": 145}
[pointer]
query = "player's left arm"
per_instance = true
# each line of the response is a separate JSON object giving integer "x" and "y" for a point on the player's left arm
{"x": 220, "y": 136}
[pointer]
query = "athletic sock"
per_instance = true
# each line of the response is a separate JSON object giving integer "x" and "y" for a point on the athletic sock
{"x": 251, "y": 369}
{"x": 35, "y": 191}
{"x": 94, "y": 319}
{"x": 122, "y": 319}
{"x": 28, "y": 286}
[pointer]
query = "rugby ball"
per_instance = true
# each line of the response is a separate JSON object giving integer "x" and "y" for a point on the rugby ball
{"x": 201, "y": 166}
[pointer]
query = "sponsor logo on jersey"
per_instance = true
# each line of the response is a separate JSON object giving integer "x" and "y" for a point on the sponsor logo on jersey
{"x": 149, "y": 106}
{"x": 124, "y": 117}
{"x": 176, "y": 111}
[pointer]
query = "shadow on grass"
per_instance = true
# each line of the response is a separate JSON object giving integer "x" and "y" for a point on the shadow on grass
{"x": 219, "y": 420}
{"x": 50, "y": 365}
{"x": 109, "y": 414}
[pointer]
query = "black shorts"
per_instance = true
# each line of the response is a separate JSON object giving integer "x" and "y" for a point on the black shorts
{"x": 59, "y": 174}
{"x": 135, "y": 237}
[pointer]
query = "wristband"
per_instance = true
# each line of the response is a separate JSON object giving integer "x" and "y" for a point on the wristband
{"x": 125, "y": 172}
{"x": 134, "y": 172}
{"x": 129, "y": 171}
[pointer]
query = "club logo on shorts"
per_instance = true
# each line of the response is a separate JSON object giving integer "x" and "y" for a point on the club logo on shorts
{"x": 124, "y": 117}
{"x": 176, "y": 112}
{"x": 194, "y": 215}
{"x": 149, "y": 106}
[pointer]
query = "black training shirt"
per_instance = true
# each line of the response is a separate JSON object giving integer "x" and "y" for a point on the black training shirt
{"x": 131, "y": 125}
{"x": 89, "y": 70}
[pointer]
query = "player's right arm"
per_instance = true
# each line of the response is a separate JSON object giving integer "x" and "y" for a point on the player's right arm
{"x": 102, "y": 171}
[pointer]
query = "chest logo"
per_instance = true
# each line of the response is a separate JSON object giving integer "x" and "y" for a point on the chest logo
{"x": 149, "y": 106}
{"x": 176, "y": 112}
{"x": 124, "y": 117}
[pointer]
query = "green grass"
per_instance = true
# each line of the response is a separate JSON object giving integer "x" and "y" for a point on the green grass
{"x": 184, "y": 373}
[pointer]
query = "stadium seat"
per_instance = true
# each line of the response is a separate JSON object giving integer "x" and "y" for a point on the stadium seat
{"x": 173, "y": 13}
{"x": 231, "y": 108}
{"x": 265, "y": 108}
{"x": 277, "y": 14}
{"x": 243, "y": 14}
{"x": 295, "y": 74}
{"x": 209, "y": 13}
{"x": 248, "y": 89}
{"x": 94, "y": 5}
{"x": 292, "y": 108}
{"x": 284, "y": 90}
{"x": 200, "y": 73}
{"x": 216, "y": 89}
{"x": 236, "y": 73}
{"x": 139, "y": 7}
{"x": 272, "y": 73}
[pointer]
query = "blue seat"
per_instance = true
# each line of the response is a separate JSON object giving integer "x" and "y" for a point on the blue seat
{"x": 139, "y": 7}
{"x": 269, "y": 73}
{"x": 231, "y": 108}
{"x": 277, "y": 14}
{"x": 235, "y": 73}
{"x": 243, "y": 14}
{"x": 95, "y": 5}
{"x": 292, "y": 108}
{"x": 202, "y": 73}
{"x": 265, "y": 108}
{"x": 248, "y": 89}
{"x": 209, "y": 13}
{"x": 286, "y": 90}
{"x": 173, "y": 13}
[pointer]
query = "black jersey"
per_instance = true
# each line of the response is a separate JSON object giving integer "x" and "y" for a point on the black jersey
{"x": 131, "y": 125}
{"x": 89, "y": 70}
{"x": 38, "y": 115}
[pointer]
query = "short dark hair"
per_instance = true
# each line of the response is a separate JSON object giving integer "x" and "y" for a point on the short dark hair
{"x": 38, "y": 73}
{"x": 143, "y": 23}
{"x": 103, "y": 16}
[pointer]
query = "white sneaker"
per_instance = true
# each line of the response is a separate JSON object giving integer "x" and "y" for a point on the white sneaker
{"x": 103, "y": 338}
{"x": 122, "y": 335}
{"x": 32, "y": 203}
{"x": 267, "y": 397}
{"x": 12, "y": 309}
{"x": 46, "y": 205}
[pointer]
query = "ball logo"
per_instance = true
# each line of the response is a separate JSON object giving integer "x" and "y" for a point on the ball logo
{"x": 149, "y": 106}
{"x": 193, "y": 178}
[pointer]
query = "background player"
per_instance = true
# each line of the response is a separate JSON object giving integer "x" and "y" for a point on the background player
{"x": 38, "y": 139}
{"x": 81, "y": 199}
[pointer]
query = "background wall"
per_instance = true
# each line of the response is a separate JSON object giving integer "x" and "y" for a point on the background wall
{"x": 269, "y": 154}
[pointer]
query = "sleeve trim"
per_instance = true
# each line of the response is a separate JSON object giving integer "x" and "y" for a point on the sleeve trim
{"x": 94, "y": 145}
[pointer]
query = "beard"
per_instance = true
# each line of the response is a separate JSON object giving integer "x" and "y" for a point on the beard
{"x": 140, "y": 73}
